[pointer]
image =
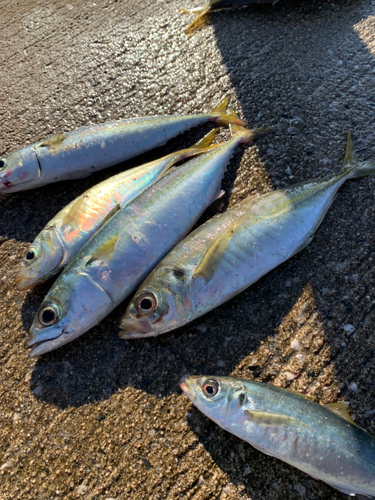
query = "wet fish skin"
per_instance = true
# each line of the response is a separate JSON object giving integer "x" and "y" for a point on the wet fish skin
{"x": 290, "y": 427}
{"x": 125, "y": 249}
{"x": 81, "y": 152}
{"x": 233, "y": 250}
{"x": 73, "y": 226}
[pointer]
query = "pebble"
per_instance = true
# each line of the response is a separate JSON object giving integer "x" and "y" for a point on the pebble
{"x": 348, "y": 328}
{"x": 353, "y": 387}
{"x": 82, "y": 489}
{"x": 288, "y": 375}
{"x": 295, "y": 345}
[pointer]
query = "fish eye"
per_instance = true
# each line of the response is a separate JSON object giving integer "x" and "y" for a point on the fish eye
{"x": 210, "y": 388}
{"x": 3, "y": 163}
{"x": 48, "y": 315}
{"x": 30, "y": 254}
{"x": 146, "y": 303}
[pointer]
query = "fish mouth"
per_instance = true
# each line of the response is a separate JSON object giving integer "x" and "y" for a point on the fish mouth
{"x": 136, "y": 330}
{"x": 23, "y": 283}
{"x": 186, "y": 384}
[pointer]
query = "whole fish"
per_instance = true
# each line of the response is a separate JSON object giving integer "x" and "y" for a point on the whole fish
{"x": 85, "y": 150}
{"x": 203, "y": 12}
{"x": 233, "y": 250}
{"x": 74, "y": 225}
{"x": 125, "y": 249}
{"x": 322, "y": 441}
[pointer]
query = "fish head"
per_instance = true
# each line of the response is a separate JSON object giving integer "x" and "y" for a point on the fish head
{"x": 74, "y": 305}
{"x": 19, "y": 170}
{"x": 161, "y": 304}
{"x": 220, "y": 398}
{"x": 44, "y": 255}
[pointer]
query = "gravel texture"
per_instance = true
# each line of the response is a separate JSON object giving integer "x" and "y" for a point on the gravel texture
{"x": 103, "y": 418}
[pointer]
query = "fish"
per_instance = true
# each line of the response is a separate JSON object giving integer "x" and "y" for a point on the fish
{"x": 73, "y": 226}
{"x": 232, "y": 251}
{"x": 321, "y": 440}
{"x": 203, "y": 12}
{"x": 85, "y": 150}
{"x": 127, "y": 247}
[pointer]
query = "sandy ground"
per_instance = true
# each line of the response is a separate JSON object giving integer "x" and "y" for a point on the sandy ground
{"x": 103, "y": 418}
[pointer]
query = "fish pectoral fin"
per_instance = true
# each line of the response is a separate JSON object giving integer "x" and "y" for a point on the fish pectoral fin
{"x": 105, "y": 251}
{"x": 271, "y": 419}
{"x": 71, "y": 218}
{"x": 214, "y": 254}
{"x": 53, "y": 141}
{"x": 114, "y": 211}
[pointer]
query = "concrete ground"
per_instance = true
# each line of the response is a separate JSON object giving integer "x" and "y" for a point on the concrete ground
{"x": 103, "y": 418}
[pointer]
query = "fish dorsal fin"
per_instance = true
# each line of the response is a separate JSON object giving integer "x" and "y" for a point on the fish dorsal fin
{"x": 268, "y": 419}
{"x": 53, "y": 141}
{"x": 309, "y": 398}
{"x": 104, "y": 252}
{"x": 216, "y": 251}
{"x": 114, "y": 211}
{"x": 341, "y": 410}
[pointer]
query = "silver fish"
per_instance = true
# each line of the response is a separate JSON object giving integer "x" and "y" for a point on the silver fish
{"x": 125, "y": 249}
{"x": 203, "y": 12}
{"x": 233, "y": 250}
{"x": 322, "y": 441}
{"x": 85, "y": 150}
{"x": 74, "y": 225}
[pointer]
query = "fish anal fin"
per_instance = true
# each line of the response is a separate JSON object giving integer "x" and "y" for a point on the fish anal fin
{"x": 105, "y": 252}
{"x": 53, "y": 141}
{"x": 207, "y": 140}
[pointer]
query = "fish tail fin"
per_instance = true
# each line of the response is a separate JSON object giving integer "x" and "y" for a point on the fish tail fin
{"x": 352, "y": 167}
{"x": 219, "y": 114}
{"x": 199, "y": 22}
{"x": 248, "y": 135}
{"x": 202, "y": 146}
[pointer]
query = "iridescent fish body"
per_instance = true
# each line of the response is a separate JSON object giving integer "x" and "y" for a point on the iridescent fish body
{"x": 85, "y": 150}
{"x": 320, "y": 440}
{"x": 203, "y": 12}
{"x": 126, "y": 248}
{"x": 74, "y": 225}
{"x": 233, "y": 250}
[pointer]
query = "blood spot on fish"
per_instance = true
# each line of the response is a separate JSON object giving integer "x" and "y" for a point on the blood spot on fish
{"x": 7, "y": 184}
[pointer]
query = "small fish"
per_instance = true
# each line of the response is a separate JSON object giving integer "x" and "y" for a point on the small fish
{"x": 203, "y": 12}
{"x": 85, "y": 150}
{"x": 230, "y": 252}
{"x": 322, "y": 441}
{"x": 125, "y": 249}
{"x": 74, "y": 225}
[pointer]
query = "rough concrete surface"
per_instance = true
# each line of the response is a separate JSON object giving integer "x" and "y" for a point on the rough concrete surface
{"x": 103, "y": 418}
